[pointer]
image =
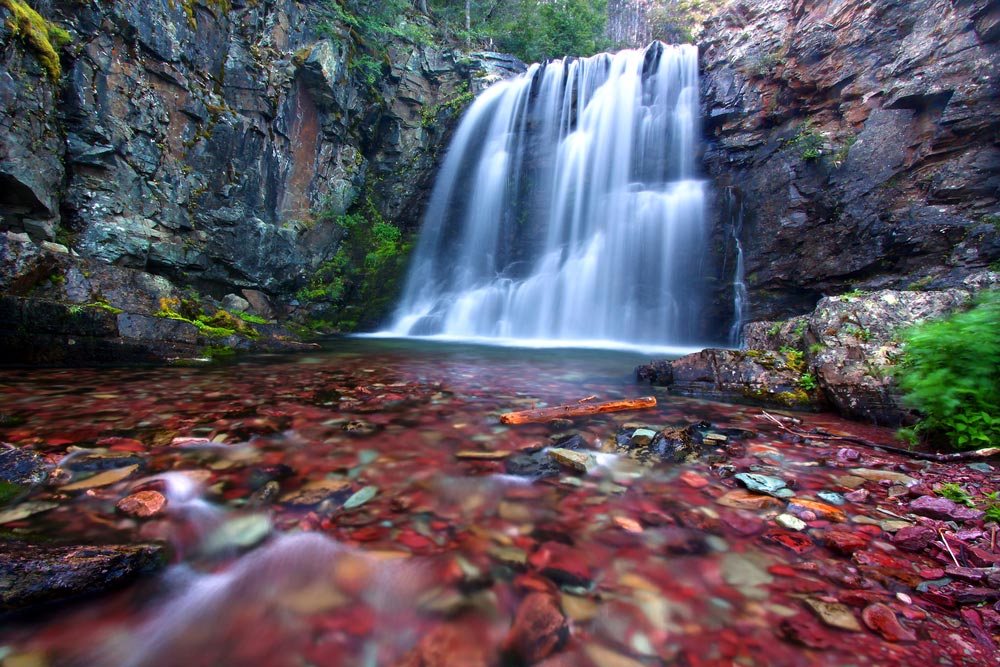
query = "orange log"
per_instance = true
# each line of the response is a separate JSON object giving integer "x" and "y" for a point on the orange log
{"x": 576, "y": 410}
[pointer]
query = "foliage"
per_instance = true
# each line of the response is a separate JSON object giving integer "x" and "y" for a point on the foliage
{"x": 253, "y": 319}
{"x": 809, "y": 141}
{"x": 679, "y": 21}
{"x": 955, "y": 493}
{"x": 461, "y": 98}
{"x": 807, "y": 381}
{"x": 992, "y": 507}
{"x": 951, "y": 374}
{"x": 532, "y": 30}
{"x": 219, "y": 324}
{"x": 794, "y": 359}
{"x": 360, "y": 279}
{"x": 42, "y": 36}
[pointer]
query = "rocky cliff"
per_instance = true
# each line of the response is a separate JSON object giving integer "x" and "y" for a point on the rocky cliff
{"x": 211, "y": 144}
{"x": 859, "y": 139}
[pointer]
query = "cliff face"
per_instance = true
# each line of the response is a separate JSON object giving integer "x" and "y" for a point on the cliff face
{"x": 860, "y": 140}
{"x": 199, "y": 140}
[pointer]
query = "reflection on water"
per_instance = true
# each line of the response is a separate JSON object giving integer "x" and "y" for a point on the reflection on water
{"x": 324, "y": 510}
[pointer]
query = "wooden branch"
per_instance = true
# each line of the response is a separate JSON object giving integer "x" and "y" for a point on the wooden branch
{"x": 576, "y": 410}
{"x": 924, "y": 456}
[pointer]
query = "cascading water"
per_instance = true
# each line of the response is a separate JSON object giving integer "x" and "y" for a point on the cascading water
{"x": 567, "y": 209}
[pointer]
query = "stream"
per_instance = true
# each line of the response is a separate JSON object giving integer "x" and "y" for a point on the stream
{"x": 363, "y": 505}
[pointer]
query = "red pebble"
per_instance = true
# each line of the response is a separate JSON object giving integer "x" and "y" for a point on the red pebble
{"x": 796, "y": 542}
{"x": 539, "y": 629}
{"x": 804, "y": 630}
{"x": 882, "y": 619}
{"x": 142, "y": 504}
{"x": 562, "y": 564}
{"x": 448, "y": 646}
{"x": 694, "y": 480}
{"x": 845, "y": 542}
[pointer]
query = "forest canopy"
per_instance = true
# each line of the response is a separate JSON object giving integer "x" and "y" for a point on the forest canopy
{"x": 537, "y": 30}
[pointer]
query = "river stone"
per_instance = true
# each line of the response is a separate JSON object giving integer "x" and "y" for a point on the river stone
{"x": 581, "y": 461}
{"x": 32, "y": 575}
{"x": 944, "y": 509}
{"x": 873, "y": 475}
{"x": 834, "y": 614}
{"x": 361, "y": 497}
{"x": 790, "y": 521}
{"x": 22, "y": 468}
{"x": 772, "y": 486}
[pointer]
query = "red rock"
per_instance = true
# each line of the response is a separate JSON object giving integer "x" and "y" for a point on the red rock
{"x": 744, "y": 523}
{"x": 914, "y": 538}
{"x": 796, "y": 542}
{"x": 562, "y": 564}
{"x": 879, "y": 559}
{"x": 805, "y": 630}
{"x": 539, "y": 629}
{"x": 694, "y": 480}
{"x": 845, "y": 542}
{"x": 861, "y": 598}
{"x": 944, "y": 509}
{"x": 142, "y": 504}
{"x": 448, "y": 646}
{"x": 882, "y": 619}
{"x": 828, "y": 512}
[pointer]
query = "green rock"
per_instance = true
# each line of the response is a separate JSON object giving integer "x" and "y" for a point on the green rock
{"x": 766, "y": 484}
{"x": 361, "y": 497}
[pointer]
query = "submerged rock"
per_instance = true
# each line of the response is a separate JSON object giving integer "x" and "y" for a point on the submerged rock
{"x": 32, "y": 575}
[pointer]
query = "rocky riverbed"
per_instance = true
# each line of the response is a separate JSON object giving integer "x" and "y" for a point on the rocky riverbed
{"x": 365, "y": 506}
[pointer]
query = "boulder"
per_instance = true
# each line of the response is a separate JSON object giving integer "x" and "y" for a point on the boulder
{"x": 31, "y": 575}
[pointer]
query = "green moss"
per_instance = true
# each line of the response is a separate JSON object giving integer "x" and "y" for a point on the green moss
{"x": 253, "y": 319}
{"x": 9, "y": 492}
{"x": 42, "y": 36}
{"x": 220, "y": 324}
{"x": 793, "y": 398}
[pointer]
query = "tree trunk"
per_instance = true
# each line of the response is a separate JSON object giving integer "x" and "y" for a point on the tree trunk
{"x": 468, "y": 23}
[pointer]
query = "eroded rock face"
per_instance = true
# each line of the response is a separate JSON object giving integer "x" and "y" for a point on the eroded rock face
{"x": 198, "y": 142}
{"x": 841, "y": 355}
{"x": 858, "y": 139}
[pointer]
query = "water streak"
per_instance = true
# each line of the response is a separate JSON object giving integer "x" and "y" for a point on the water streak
{"x": 568, "y": 209}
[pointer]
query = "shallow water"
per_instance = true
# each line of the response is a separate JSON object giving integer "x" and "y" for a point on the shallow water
{"x": 647, "y": 564}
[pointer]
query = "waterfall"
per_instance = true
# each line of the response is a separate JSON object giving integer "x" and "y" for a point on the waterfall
{"x": 741, "y": 298}
{"x": 568, "y": 210}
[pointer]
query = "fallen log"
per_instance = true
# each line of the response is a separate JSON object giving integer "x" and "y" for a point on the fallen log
{"x": 819, "y": 434}
{"x": 576, "y": 410}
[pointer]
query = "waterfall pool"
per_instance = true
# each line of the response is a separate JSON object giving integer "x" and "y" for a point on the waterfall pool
{"x": 400, "y": 533}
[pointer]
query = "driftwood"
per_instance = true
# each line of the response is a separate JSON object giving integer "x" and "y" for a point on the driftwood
{"x": 986, "y": 453}
{"x": 576, "y": 410}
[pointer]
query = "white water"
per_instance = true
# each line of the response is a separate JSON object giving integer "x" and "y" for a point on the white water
{"x": 568, "y": 210}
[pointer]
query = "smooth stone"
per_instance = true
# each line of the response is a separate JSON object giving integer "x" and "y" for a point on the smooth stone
{"x": 642, "y": 436}
{"x": 761, "y": 483}
{"x": 832, "y": 497}
{"x": 882, "y": 619}
{"x": 361, "y": 497}
{"x": 873, "y": 475}
{"x": 790, "y": 521}
{"x": 944, "y": 509}
{"x": 239, "y": 533}
{"x": 582, "y": 461}
{"x": 834, "y": 614}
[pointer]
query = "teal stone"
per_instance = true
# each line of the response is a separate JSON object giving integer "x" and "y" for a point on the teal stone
{"x": 763, "y": 483}
{"x": 832, "y": 497}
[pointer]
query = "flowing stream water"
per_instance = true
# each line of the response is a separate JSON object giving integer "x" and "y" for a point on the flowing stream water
{"x": 407, "y": 529}
{"x": 568, "y": 209}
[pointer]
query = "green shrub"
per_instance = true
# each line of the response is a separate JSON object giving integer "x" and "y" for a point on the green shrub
{"x": 951, "y": 374}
